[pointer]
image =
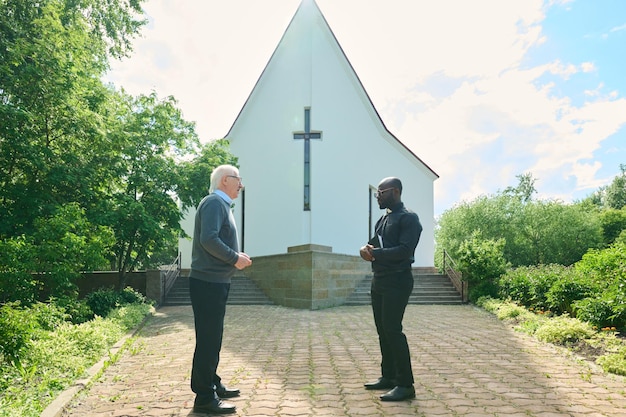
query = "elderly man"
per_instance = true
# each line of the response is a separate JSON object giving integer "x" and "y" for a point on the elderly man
{"x": 391, "y": 252}
{"x": 215, "y": 257}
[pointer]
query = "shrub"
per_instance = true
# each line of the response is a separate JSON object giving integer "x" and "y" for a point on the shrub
{"x": 569, "y": 287}
{"x": 562, "y": 330}
{"x": 130, "y": 296}
{"x": 102, "y": 301}
{"x": 17, "y": 326}
{"x": 482, "y": 263}
{"x": 77, "y": 311}
{"x": 614, "y": 363}
{"x": 529, "y": 285}
{"x": 596, "y": 311}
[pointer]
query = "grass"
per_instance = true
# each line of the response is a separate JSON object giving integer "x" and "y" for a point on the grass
{"x": 606, "y": 347}
{"x": 57, "y": 358}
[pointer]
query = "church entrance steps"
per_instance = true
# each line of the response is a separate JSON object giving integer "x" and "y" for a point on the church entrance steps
{"x": 428, "y": 288}
{"x": 243, "y": 291}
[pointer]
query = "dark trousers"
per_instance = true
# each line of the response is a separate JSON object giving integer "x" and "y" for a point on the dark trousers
{"x": 208, "y": 301}
{"x": 390, "y": 296}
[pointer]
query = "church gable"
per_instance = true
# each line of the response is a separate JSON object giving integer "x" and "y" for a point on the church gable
{"x": 312, "y": 148}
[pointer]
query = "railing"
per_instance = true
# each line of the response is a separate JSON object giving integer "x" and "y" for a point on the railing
{"x": 451, "y": 270}
{"x": 169, "y": 275}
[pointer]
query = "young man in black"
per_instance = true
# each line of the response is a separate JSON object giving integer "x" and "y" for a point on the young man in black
{"x": 391, "y": 252}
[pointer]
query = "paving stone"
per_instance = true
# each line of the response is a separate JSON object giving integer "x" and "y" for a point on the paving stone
{"x": 291, "y": 363}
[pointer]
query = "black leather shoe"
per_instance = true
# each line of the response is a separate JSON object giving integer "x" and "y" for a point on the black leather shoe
{"x": 399, "y": 394}
{"x": 380, "y": 383}
{"x": 215, "y": 407}
{"x": 224, "y": 392}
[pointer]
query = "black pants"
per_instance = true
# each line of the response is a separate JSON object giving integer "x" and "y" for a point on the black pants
{"x": 390, "y": 296}
{"x": 209, "y": 307}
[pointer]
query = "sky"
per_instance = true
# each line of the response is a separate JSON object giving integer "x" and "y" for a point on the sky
{"x": 482, "y": 91}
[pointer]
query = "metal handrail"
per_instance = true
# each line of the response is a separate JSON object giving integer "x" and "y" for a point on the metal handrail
{"x": 452, "y": 271}
{"x": 169, "y": 276}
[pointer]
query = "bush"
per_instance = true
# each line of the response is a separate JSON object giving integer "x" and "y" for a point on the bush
{"x": 569, "y": 287}
{"x": 529, "y": 285}
{"x": 77, "y": 311}
{"x": 562, "y": 330}
{"x": 104, "y": 300}
{"x": 482, "y": 262}
{"x": 17, "y": 326}
{"x": 596, "y": 311}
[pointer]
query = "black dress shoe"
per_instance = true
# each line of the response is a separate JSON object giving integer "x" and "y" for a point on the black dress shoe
{"x": 215, "y": 407}
{"x": 399, "y": 394}
{"x": 380, "y": 383}
{"x": 224, "y": 392}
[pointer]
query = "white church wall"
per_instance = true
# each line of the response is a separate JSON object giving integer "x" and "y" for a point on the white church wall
{"x": 353, "y": 155}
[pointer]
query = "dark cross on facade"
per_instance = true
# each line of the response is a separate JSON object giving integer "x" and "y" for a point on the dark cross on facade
{"x": 307, "y": 135}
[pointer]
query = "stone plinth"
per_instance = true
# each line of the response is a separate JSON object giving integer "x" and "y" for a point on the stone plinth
{"x": 307, "y": 276}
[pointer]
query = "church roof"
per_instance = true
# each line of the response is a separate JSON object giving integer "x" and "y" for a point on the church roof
{"x": 308, "y": 12}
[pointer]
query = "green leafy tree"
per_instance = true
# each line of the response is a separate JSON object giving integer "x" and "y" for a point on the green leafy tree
{"x": 534, "y": 232}
{"x": 613, "y": 223}
{"x": 615, "y": 193}
{"x": 140, "y": 207}
{"x": 482, "y": 263}
{"x": 48, "y": 262}
{"x": 197, "y": 173}
{"x": 52, "y": 56}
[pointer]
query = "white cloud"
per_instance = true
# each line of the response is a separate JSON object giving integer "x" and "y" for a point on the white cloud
{"x": 449, "y": 78}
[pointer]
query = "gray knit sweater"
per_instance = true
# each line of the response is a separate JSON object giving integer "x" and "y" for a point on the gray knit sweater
{"x": 215, "y": 249}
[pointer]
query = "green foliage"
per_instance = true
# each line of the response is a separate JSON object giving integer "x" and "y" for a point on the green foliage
{"x": 104, "y": 300}
{"x": 198, "y": 172}
{"x": 17, "y": 260}
{"x": 615, "y": 193}
{"x": 151, "y": 138}
{"x": 481, "y": 263}
{"x": 562, "y": 330}
{"x": 76, "y": 311}
{"x": 614, "y": 362}
{"x": 596, "y": 311}
{"x": 613, "y": 223}
{"x": 534, "y": 232}
{"x": 528, "y": 285}
{"x": 568, "y": 288}
{"x": 54, "y": 359}
{"x": 16, "y": 329}
{"x": 61, "y": 245}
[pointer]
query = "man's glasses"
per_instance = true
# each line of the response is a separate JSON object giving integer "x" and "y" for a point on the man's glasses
{"x": 236, "y": 177}
{"x": 381, "y": 192}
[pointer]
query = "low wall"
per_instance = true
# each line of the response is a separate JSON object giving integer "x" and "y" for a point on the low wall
{"x": 308, "y": 276}
{"x": 148, "y": 283}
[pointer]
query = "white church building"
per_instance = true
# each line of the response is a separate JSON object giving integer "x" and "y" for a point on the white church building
{"x": 311, "y": 150}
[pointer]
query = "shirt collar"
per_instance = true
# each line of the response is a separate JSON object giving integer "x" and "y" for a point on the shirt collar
{"x": 224, "y": 196}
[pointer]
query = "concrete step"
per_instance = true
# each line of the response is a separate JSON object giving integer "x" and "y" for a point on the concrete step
{"x": 428, "y": 288}
{"x": 243, "y": 291}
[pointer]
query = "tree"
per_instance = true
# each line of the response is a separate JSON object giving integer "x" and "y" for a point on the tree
{"x": 140, "y": 205}
{"x": 533, "y": 232}
{"x": 52, "y": 56}
{"x": 615, "y": 193}
{"x": 197, "y": 173}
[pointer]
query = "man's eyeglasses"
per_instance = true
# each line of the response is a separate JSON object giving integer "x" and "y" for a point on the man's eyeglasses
{"x": 236, "y": 177}
{"x": 381, "y": 192}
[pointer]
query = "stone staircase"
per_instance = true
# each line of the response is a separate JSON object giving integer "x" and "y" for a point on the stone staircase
{"x": 428, "y": 288}
{"x": 243, "y": 291}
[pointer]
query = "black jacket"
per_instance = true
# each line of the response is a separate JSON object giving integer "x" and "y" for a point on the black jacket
{"x": 400, "y": 230}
